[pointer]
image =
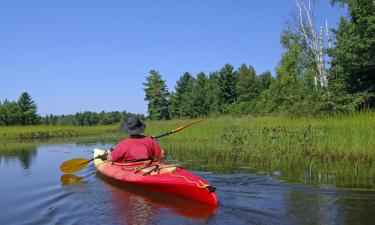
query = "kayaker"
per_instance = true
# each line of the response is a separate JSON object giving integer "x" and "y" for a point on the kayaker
{"x": 136, "y": 147}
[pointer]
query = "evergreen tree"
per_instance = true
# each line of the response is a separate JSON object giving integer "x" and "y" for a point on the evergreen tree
{"x": 180, "y": 101}
{"x": 247, "y": 85}
{"x": 247, "y": 90}
{"x": 157, "y": 96}
{"x": 227, "y": 82}
{"x": 198, "y": 96}
{"x": 28, "y": 110}
{"x": 213, "y": 94}
{"x": 265, "y": 80}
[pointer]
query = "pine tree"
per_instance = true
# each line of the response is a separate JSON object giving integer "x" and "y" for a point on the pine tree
{"x": 247, "y": 85}
{"x": 227, "y": 82}
{"x": 247, "y": 90}
{"x": 157, "y": 96}
{"x": 199, "y": 93}
{"x": 265, "y": 80}
{"x": 28, "y": 110}
{"x": 180, "y": 101}
{"x": 213, "y": 94}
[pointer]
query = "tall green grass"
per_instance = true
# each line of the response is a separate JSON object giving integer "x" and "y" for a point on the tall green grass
{"x": 247, "y": 138}
{"x": 316, "y": 150}
{"x": 240, "y": 139}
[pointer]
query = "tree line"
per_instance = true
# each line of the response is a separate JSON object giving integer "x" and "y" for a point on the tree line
{"x": 89, "y": 118}
{"x": 24, "y": 112}
{"x": 312, "y": 77}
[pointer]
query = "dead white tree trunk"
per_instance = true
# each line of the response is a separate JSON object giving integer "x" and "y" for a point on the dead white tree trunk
{"x": 315, "y": 51}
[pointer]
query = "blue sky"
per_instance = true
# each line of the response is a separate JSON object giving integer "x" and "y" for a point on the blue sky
{"x": 74, "y": 55}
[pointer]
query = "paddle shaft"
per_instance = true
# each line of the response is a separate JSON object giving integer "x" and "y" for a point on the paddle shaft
{"x": 179, "y": 128}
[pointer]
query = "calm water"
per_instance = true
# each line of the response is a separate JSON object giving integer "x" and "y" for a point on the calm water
{"x": 34, "y": 191}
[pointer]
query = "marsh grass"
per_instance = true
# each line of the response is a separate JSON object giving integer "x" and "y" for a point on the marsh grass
{"x": 338, "y": 150}
{"x": 314, "y": 150}
{"x": 350, "y": 138}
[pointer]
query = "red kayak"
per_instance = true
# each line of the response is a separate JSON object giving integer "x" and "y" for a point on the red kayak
{"x": 161, "y": 177}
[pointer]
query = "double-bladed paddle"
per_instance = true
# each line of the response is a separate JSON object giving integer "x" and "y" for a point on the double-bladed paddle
{"x": 77, "y": 164}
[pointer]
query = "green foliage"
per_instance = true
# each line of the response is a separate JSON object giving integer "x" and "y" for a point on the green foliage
{"x": 353, "y": 58}
{"x": 10, "y": 113}
{"x": 89, "y": 118}
{"x": 198, "y": 97}
{"x": 294, "y": 90}
{"x": 247, "y": 87}
{"x": 157, "y": 96}
{"x": 287, "y": 89}
{"x": 180, "y": 101}
{"x": 22, "y": 112}
{"x": 28, "y": 110}
{"x": 213, "y": 93}
{"x": 227, "y": 82}
{"x": 265, "y": 80}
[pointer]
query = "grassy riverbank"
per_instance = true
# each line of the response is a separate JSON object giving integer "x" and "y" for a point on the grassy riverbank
{"x": 47, "y": 132}
{"x": 241, "y": 139}
{"x": 300, "y": 149}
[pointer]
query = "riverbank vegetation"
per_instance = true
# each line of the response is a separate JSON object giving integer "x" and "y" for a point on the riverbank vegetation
{"x": 47, "y": 132}
{"x": 228, "y": 138}
{"x": 240, "y": 139}
{"x": 330, "y": 150}
{"x": 317, "y": 150}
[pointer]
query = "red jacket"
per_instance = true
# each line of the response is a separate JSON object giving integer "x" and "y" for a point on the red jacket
{"x": 135, "y": 147}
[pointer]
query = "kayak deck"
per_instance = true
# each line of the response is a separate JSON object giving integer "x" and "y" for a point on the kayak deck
{"x": 159, "y": 177}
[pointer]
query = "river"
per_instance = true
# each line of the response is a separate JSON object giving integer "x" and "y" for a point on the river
{"x": 34, "y": 191}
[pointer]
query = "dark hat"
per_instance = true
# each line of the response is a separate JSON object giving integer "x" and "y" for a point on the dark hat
{"x": 133, "y": 126}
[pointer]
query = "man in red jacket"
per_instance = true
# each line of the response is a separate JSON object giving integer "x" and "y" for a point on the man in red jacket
{"x": 136, "y": 147}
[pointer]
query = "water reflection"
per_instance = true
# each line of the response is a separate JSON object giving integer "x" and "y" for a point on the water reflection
{"x": 306, "y": 170}
{"x": 284, "y": 193}
{"x": 24, "y": 152}
{"x": 135, "y": 205}
{"x": 70, "y": 179}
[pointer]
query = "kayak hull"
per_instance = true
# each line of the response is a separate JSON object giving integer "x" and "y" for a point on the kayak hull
{"x": 158, "y": 177}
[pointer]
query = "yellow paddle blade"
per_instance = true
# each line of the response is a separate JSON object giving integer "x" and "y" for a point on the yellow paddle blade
{"x": 74, "y": 165}
{"x": 70, "y": 179}
{"x": 189, "y": 124}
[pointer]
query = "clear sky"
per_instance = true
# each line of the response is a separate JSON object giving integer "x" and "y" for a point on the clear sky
{"x": 90, "y": 55}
